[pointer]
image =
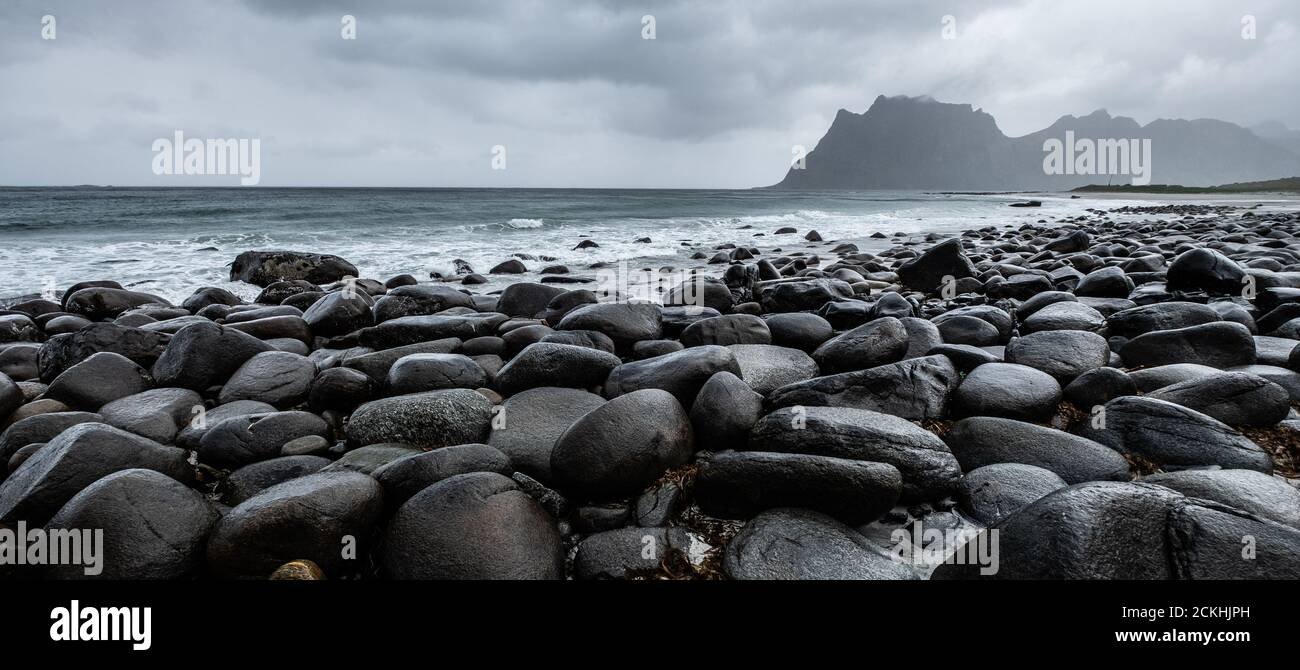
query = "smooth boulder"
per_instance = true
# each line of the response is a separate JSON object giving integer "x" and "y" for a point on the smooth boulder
{"x": 929, "y": 469}
{"x": 622, "y": 446}
{"x": 473, "y": 526}
{"x": 427, "y": 420}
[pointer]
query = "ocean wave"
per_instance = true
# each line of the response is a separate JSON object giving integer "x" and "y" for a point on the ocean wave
{"x": 525, "y": 223}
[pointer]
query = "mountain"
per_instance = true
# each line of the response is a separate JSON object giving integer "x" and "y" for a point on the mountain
{"x": 918, "y": 143}
{"x": 1279, "y": 135}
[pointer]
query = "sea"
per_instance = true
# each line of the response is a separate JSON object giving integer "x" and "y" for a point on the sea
{"x": 169, "y": 241}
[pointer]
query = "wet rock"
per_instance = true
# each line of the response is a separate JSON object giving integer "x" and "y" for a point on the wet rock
{"x": 20, "y": 328}
{"x": 1219, "y": 345}
{"x": 551, "y": 364}
{"x": 626, "y": 552}
{"x": 1263, "y": 495}
{"x": 307, "y": 445}
{"x": 992, "y": 493}
{"x": 1071, "y": 243}
{"x": 968, "y": 330}
{"x": 726, "y": 330}
{"x": 798, "y": 330}
{"x": 766, "y": 367}
{"x": 252, "y": 479}
{"x": 531, "y": 421}
{"x": 341, "y": 389}
{"x": 158, "y": 414}
{"x": 1108, "y": 282}
{"x": 982, "y": 441}
{"x": 914, "y": 389}
{"x": 314, "y": 517}
{"x": 651, "y": 348}
{"x": 927, "y": 272}
{"x": 739, "y": 485}
{"x": 1287, "y": 379}
{"x": 277, "y": 378}
{"x": 204, "y": 355}
{"x": 19, "y": 361}
{"x": 376, "y": 364}
{"x": 1150, "y": 379}
{"x": 432, "y": 372}
{"x": 518, "y": 338}
{"x": 1206, "y": 270}
{"x": 191, "y": 434}
{"x": 724, "y": 411}
{"x": 1063, "y": 354}
{"x": 264, "y": 268}
{"x": 1160, "y": 316}
{"x": 1274, "y": 350}
{"x": 1151, "y": 532}
{"x": 1235, "y": 398}
{"x": 408, "y": 330}
{"x": 99, "y": 303}
{"x": 803, "y": 544}
{"x": 98, "y": 380}
{"x": 620, "y": 447}
{"x": 473, "y": 526}
{"x": 75, "y": 459}
{"x": 922, "y": 336}
{"x": 248, "y": 438}
{"x": 340, "y": 313}
{"x": 527, "y": 300}
{"x": 804, "y": 295}
{"x": 40, "y": 428}
{"x": 1173, "y": 436}
{"x": 1065, "y": 316}
{"x": 1021, "y": 287}
{"x": 426, "y": 420}
{"x": 658, "y": 505}
{"x": 64, "y": 351}
{"x": 929, "y": 469}
{"x": 1007, "y": 390}
{"x": 681, "y": 373}
{"x": 701, "y": 292}
{"x": 867, "y": 346}
{"x": 406, "y": 476}
{"x": 418, "y": 300}
{"x": 510, "y": 267}
{"x": 1099, "y": 385}
{"x": 994, "y": 316}
{"x": 1031, "y": 306}
{"x": 964, "y": 356}
{"x": 153, "y": 527}
{"x": 371, "y": 457}
{"x": 11, "y": 397}
{"x": 624, "y": 323}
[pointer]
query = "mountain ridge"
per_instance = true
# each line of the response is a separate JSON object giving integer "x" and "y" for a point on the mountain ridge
{"x": 903, "y": 142}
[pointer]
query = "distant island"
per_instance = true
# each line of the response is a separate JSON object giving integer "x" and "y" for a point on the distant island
{"x": 919, "y": 143}
{"x": 1288, "y": 185}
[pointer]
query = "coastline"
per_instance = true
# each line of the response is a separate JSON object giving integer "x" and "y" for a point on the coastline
{"x": 820, "y": 399}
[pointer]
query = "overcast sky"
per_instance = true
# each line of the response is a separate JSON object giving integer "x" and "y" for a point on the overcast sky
{"x": 574, "y": 93}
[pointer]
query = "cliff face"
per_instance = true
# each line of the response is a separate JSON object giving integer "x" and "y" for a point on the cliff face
{"x": 918, "y": 143}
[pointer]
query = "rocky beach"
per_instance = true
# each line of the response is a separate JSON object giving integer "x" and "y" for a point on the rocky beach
{"x": 1107, "y": 395}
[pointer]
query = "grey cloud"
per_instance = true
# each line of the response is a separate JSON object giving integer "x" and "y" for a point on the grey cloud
{"x": 575, "y": 93}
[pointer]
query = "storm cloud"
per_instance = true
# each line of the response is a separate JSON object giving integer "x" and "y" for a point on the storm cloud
{"x": 575, "y": 94}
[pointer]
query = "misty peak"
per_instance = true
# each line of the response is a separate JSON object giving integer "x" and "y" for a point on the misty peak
{"x": 905, "y": 142}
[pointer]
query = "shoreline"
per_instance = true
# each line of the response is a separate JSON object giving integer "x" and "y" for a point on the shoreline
{"x": 819, "y": 400}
